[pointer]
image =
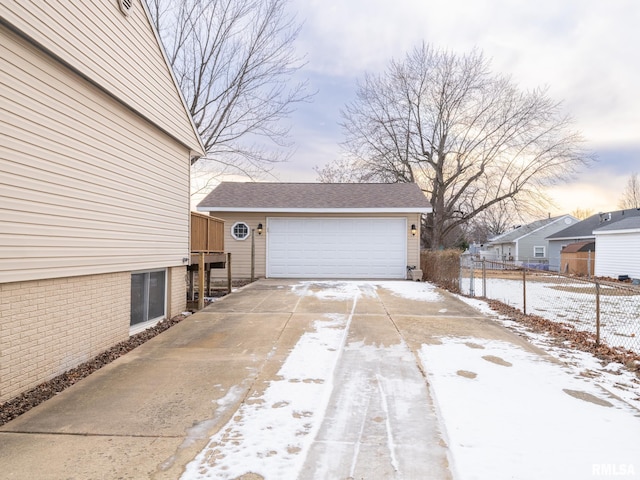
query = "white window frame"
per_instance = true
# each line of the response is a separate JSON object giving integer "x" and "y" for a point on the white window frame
{"x": 544, "y": 251}
{"x": 139, "y": 327}
{"x": 233, "y": 231}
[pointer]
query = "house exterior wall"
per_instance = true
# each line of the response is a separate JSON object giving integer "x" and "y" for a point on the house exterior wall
{"x": 176, "y": 291}
{"x": 88, "y": 186}
{"x": 501, "y": 252}
{"x": 527, "y": 244}
{"x": 617, "y": 254}
{"x": 524, "y": 241}
{"x": 97, "y": 40}
{"x": 241, "y": 249}
{"x": 94, "y": 162}
{"x": 49, "y": 326}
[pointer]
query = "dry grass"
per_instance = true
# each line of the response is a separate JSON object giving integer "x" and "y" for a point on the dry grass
{"x": 441, "y": 267}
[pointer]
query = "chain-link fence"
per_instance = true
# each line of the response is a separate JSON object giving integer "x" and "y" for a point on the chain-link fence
{"x": 611, "y": 311}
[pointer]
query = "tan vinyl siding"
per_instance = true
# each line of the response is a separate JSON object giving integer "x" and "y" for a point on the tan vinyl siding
{"x": 241, "y": 249}
{"x": 413, "y": 245}
{"x": 121, "y": 54}
{"x": 86, "y": 186}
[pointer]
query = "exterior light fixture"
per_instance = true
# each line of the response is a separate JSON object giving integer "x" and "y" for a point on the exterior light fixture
{"x": 414, "y": 230}
{"x": 259, "y": 229}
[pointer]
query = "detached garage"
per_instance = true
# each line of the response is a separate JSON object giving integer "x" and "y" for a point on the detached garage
{"x": 316, "y": 230}
{"x": 617, "y": 251}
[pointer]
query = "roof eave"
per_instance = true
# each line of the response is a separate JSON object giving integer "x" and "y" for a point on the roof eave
{"x": 198, "y": 150}
{"x": 572, "y": 237}
{"x": 621, "y": 230}
{"x": 315, "y": 210}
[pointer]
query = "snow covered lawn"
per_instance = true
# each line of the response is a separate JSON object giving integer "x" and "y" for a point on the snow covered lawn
{"x": 509, "y": 413}
{"x": 572, "y": 303}
{"x": 346, "y": 404}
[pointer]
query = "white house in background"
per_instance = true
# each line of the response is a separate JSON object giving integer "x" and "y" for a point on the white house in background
{"x": 527, "y": 244}
{"x": 618, "y": 248}
{"x": 95, "y": 151}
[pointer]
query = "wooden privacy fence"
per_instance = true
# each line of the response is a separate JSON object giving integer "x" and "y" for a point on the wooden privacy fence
{"x": 207, "y": 234}
{"x": 207, "y": 252}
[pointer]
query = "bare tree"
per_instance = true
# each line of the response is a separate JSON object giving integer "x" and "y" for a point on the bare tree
{"x": 470, "y": 139}
{"x": 492, "y": 221}
{"x": 501, "y": 217}
{"x": 234, "y": 61}
{"x": 582, "y": 213}
{"x": 631, "y": 194}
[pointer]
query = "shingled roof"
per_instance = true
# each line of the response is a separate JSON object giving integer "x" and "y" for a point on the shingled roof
{"x": 316, "y": 197}
{"x": 629, "y": 223}
{"x": 585, "y": 228}
{"x": 588, "y": 246}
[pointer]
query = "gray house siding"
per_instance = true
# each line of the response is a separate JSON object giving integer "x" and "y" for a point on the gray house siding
{"x": 526, "y": 248}
{"x": 528, "y": 244}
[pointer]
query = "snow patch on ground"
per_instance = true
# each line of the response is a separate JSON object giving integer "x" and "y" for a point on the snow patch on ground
{"x": 380, "y": 422}
{"x": 510, "y": 413}
{"x": 346, "y": 290}
{"x": 412, "y": 290}
{"x": 331, "y": 290}
{"x": 271, "y": 432}
{"x": 480, "y": 305}
{"x": 613, "y": 377}
{"x": 562, "y": 301}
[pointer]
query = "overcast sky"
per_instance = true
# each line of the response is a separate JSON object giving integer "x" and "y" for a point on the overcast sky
{"x": 585, "y": 51}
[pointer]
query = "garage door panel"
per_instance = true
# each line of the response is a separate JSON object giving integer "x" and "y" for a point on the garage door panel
{"x": 337, "y": 247}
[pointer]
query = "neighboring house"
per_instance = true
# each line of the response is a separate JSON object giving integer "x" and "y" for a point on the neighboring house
{"x": 618, "y": 248}
{"x": 95, "y": 152}
{"x": 583, "y": 231}
{"x": 527, "y": 244}
{"x": 320, "y": 230}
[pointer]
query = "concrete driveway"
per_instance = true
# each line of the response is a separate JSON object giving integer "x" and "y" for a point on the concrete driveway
{"x": 283, "y": 379}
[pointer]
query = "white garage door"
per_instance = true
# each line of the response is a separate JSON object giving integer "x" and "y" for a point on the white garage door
{"x": 336, "y": 247}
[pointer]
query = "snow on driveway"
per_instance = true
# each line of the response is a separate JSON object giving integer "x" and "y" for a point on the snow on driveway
{"x": 336, "y": 407}
{"x": 344, "y": 407}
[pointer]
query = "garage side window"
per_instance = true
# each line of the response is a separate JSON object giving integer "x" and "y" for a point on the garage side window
{"x": 148, "y": 293}
{"x": 240, "y": 230}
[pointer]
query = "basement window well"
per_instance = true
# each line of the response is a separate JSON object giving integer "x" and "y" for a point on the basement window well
{"x": 148, "y": 298}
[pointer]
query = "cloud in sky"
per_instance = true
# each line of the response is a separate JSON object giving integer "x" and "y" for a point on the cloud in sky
{"x": 584, "y": 51}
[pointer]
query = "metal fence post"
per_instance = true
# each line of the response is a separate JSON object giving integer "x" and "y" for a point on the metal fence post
{"x": 472, "y": 289}
{"x": 201, "y": 281}
{"x": 484, "y": 278}
{"x": 597, "y": 313}
{"x": 229, "y": 281}
{"x": 253, "y": 255}
{"x": 524, "y": 291}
